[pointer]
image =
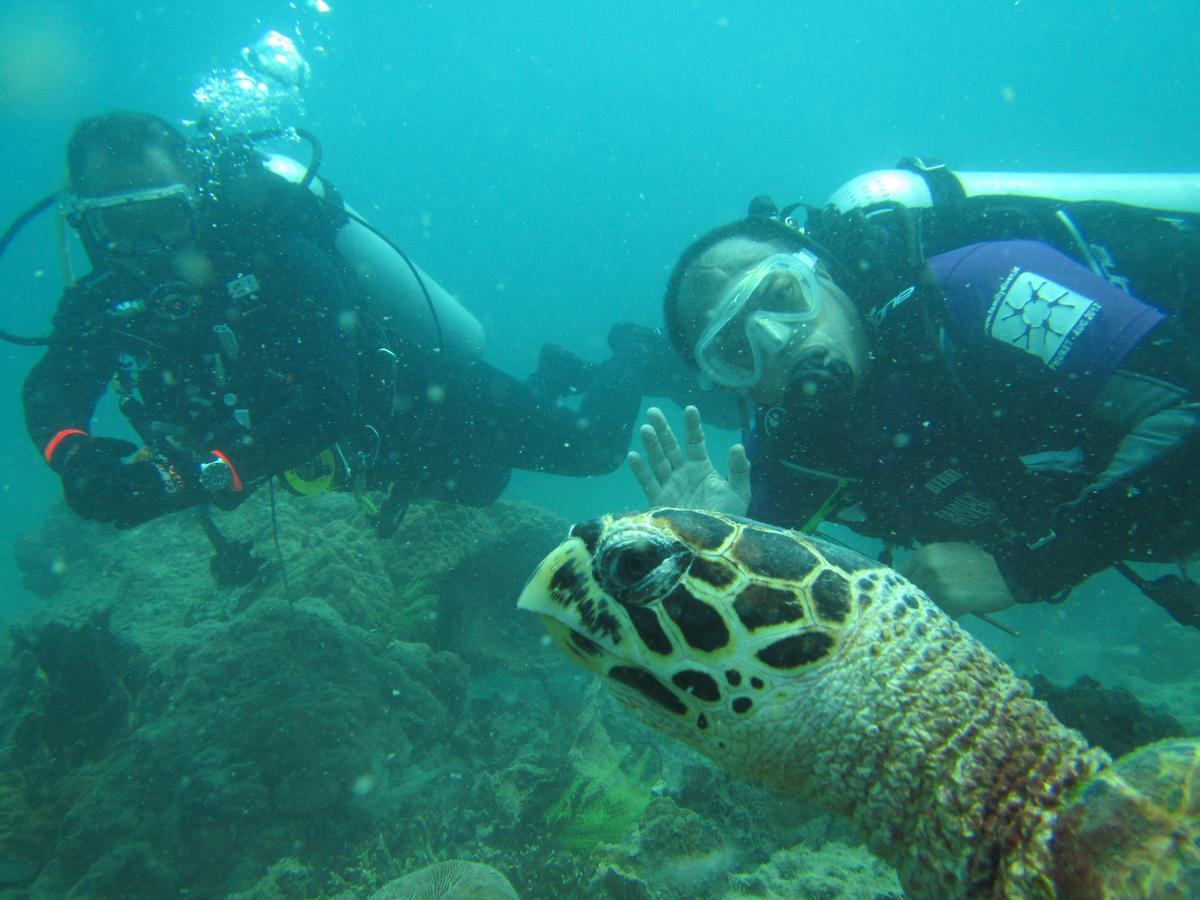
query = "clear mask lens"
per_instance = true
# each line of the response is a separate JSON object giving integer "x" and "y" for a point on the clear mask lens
{"x": 775, "y": 303}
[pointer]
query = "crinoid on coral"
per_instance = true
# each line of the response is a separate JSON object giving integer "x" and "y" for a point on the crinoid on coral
{"x": 413, "y": 614}
{"x": 453, "y": 879}
{"x": 604, "y": 800}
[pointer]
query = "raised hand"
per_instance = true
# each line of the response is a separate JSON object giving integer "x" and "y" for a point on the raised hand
{"x": 669, "y": 477}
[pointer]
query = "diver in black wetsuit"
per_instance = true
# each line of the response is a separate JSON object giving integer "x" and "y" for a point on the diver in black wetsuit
{"x": 236, "y": 337}
{"x": 1004, "y": 401}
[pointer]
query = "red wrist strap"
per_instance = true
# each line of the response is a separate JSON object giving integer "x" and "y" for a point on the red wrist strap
{"x": 236, "y": 484}
{"x": 48, "y": 453}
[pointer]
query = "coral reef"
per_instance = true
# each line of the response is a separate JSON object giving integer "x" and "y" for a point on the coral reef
{"x": 1111, "y": 717}
{"x": 383, "y": 711}
{"x": 837, "y": 871}
{"x": 414, "y": 611}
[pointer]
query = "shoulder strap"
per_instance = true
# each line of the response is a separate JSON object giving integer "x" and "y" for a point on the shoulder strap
{"x": 944, "y": 188}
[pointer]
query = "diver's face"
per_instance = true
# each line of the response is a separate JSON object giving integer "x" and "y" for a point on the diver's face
{"x": 137, "y": 211}
{"x": 106, "y": 173}
{"x": 759, "y": 321}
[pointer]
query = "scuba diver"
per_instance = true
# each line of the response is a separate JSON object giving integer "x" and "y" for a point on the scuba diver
{"x": 1001, "y": 371}
{"x": 254, "y": 326}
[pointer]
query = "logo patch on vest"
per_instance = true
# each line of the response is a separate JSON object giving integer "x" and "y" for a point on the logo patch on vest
{"x": 960, "y": 506}
{"x": 1039, "y": 316}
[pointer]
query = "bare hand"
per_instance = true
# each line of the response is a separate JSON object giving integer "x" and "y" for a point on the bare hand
{"x": 669, "y": 478}
{"x": 961, "y": 578}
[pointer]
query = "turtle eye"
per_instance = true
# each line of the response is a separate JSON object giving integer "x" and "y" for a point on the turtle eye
{"x": 638, "y": 567}
{"x": 634, "y": 563}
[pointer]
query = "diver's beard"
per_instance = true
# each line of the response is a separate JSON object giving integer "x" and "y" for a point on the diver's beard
{"x": 820, "y": 382}
{"x": 821, "y": 389}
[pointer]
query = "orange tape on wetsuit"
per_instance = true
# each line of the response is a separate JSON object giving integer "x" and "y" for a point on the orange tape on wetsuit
{"x": 48, "y": 453}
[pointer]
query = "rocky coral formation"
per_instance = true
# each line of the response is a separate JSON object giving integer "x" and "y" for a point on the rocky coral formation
{"x": 1111, "y": 717}
{"x": 382, "y": 710}
{"x": 837, "y": 871}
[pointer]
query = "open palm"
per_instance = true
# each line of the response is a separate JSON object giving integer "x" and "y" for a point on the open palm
{"x": 670, "y": 478}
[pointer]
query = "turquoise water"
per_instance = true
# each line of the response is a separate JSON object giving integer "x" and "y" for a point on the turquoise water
{"x": 547, "y": 161}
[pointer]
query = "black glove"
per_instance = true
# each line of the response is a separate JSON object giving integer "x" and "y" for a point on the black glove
{"x": 1177, "y": 594}
{"x": 110, "y": 480}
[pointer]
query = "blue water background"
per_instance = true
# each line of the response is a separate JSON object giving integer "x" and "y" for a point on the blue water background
{"x": 546, "y": 161}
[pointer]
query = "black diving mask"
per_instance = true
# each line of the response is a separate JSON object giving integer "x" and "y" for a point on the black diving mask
{"x": 139, "y": 222}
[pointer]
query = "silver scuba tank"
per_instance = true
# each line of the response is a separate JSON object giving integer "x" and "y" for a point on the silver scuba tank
{"x": 391, "y": 288}
{"x": 888, "y": 221}
{"x": 1151, "y": 190}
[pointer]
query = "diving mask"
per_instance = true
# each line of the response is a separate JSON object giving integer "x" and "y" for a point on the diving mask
{"x": 774, "y": 303}
{"x": 138, "y": 222}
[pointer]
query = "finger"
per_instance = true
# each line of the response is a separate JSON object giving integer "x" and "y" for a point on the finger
{"x": 655, "y": 456}
{"x": 739, "y": 471}
{"x": 666, "y": 437}
{"x": 645, "y": 478}
{"x": 693, "y": 435}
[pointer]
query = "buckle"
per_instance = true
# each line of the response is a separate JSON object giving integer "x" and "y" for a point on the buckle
{"x": 1039, "y": 543}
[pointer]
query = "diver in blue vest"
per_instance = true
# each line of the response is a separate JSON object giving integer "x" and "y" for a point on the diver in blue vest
{"x": 1001, "y": 372}
{"x": 254, "y": 326}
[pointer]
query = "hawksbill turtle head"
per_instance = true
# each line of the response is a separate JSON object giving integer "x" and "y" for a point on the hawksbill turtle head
{"x": 807, "y": 666}
{"x": 707, "y": 626}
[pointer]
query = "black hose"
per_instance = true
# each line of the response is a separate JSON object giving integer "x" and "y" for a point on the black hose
{"x": 314, "y": 161}
{"x": 23, "y": 341}
{"x": 306, "y": 181}
{"x": 24, "y": 219}
{"x": 11, "y": 232}
{"x": 437, "y": 322}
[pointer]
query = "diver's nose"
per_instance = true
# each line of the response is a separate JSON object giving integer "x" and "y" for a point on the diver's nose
{"x": 773, "y": 336}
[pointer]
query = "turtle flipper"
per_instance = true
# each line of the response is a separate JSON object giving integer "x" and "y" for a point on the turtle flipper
{"x": 1133, "y": 830}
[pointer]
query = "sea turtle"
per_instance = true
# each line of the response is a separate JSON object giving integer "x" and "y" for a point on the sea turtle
{"x": 802, "y": 664}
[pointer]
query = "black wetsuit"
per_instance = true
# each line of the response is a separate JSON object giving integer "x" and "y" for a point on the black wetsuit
{"x": 1017, "y": 401}
{"x": 272, "y": 362}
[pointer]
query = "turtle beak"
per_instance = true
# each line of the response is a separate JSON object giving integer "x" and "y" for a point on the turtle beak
{"x": 559, "y": 582}
{"x": 558, "y": 592}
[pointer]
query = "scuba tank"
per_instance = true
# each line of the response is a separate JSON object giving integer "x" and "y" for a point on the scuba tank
{"x": 909, "y": 187}
{"x": 1139, "y": 231}
{"x": 395, "y": 291}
